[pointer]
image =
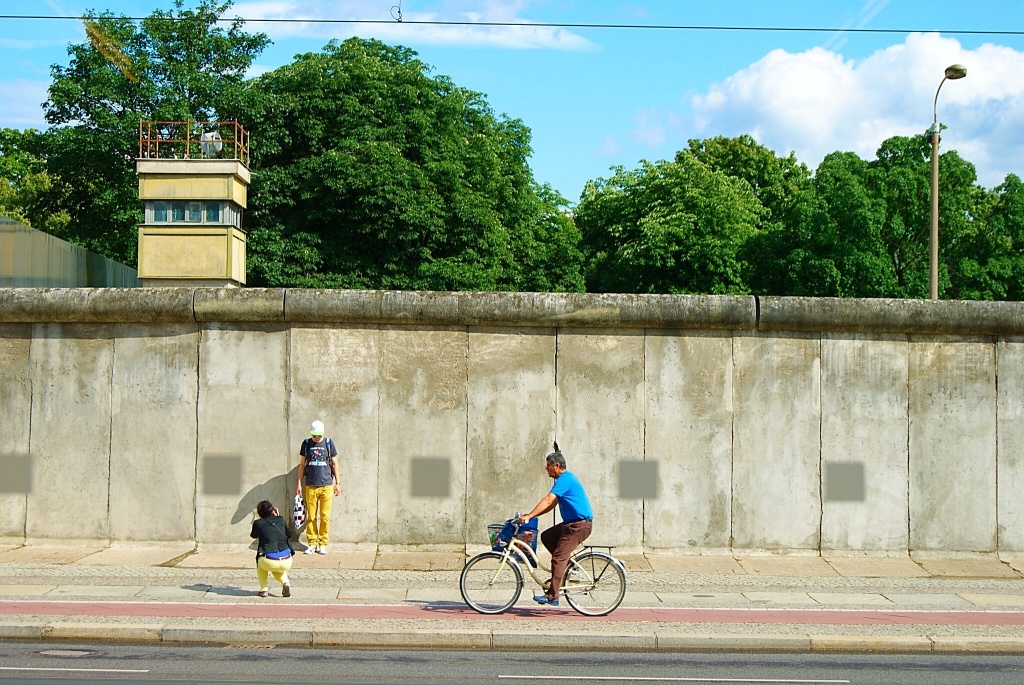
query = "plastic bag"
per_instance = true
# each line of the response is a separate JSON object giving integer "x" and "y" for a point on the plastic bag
{"x": 298, "y": 513}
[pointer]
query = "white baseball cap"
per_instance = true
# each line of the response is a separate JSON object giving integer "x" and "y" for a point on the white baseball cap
{"x": 317, "y": 428}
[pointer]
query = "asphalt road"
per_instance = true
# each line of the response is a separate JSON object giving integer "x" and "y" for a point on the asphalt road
{"x": 40, "y": 663}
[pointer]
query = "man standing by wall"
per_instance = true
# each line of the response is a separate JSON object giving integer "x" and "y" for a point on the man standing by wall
{"x": 318, "y": 465}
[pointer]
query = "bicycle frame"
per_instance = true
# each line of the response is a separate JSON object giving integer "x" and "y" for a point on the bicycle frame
{"x": 526, "y": 552}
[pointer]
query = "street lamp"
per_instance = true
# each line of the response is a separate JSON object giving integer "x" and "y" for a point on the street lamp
{"x": 953, "y": 73}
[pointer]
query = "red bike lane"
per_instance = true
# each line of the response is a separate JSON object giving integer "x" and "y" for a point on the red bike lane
{"x": 290, "y": 610}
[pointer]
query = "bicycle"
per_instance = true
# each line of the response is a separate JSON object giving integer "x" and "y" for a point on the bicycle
{"x": 491, "y": 583}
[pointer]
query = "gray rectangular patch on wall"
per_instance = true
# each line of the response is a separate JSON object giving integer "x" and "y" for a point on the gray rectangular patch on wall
{"x": 431, "y": 477}
{"x": 222, "y": 476}
{"x": 15, "y": 473}
{"x": 844, "y": 482}
{"x": 638, "y": 479}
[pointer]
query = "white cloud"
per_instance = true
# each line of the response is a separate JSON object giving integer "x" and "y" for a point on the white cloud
{"x": 654, "y": 125}
{"x": 608, "y": 147}
{"x": 816, "y": 102}
{"x": 308, "y": 12}
{"x": 20, "y": 103}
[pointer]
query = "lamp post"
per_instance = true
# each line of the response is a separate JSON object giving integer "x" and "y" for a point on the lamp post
{"x": 953, "y": 72}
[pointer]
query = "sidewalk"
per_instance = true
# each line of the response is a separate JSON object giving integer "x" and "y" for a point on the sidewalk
{"x": 411, "y": 600}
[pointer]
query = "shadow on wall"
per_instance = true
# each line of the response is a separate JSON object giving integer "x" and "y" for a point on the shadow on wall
{"x": 278, "y": 490}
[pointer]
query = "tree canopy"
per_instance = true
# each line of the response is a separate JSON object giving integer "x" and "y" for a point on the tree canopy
{"x": 370, "y": 171}
{"x": 375, "y": 174}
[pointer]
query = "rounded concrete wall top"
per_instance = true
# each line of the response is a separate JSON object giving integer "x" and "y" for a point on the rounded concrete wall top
{"x": 550, "y": 310}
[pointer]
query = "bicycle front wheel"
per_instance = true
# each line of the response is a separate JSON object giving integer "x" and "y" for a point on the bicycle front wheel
{"x": 490, "y": 583}
{"x": 594, "y": 583}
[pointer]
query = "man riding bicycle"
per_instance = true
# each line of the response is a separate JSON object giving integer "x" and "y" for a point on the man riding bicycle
{"x": 577, "y": 521}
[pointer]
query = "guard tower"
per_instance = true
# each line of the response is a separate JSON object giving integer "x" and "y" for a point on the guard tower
{"x": 193, "y": 178}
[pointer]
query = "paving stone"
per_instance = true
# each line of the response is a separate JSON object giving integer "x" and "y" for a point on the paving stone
{"x": 863, "y": 567}
{"x": 170, "y": 592}
{"x": 786, "y": 566}
{"x": 634, "y": 562}
{"x": 793, "y": 598}
{"x": 1003, "y": 600}
{"x": 850, "y": 599}
{"x": 95, "y": 591}
{"x": 968, "y": 568}
{"x": 38, "y": 554}
{"x": 25, "y": 590}
{"x": 372, "y": 594}
{"x": 682, "y": 563}
{"x": 134, "y": 556}
{"x": 433, "y": 596}
{"x": 636, "y": 598}
{"x": 945, "y": 601}
{"x": 420, "y": 561}
{"x": 220, "y": 559}
{"x": 1016, "y": 564}
{"x": 688, "y": 599}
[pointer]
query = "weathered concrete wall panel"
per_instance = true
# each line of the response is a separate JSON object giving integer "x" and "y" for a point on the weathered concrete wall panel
{"x": 687, "y": 432}
{"x": 1010, "y": 466}
{"x": 864, "y": 421}
{"x": 243, "y": 412}
{"x": 15, "y": 406}
{"x": 600, "y": 386}
{"x": 952, "y": 446}
{"x": 153, "y": 432}
{"x": 423, "y": 408}
{"x": 334, "y": 378}
{"x": 776, "y": 448}
{"x": 511, "y": 424}
{"x": 71, "y": 372}
{"x": 745, "y": 410}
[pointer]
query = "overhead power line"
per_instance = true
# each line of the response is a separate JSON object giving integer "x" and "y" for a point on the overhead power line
{"x": 510, "y": 24}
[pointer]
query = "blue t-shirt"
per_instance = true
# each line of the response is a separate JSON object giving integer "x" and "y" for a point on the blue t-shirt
{"x": 573, "y": 504}
{"x": 318, "y": 461}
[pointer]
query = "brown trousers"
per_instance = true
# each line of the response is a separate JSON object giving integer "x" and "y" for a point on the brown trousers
{"x": 561, "y": 540}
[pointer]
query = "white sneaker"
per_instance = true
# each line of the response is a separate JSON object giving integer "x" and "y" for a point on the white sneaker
{"x": 310, "y": 550}
{"x": 321, "y": 550}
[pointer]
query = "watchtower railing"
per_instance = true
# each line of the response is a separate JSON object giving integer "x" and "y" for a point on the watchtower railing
{"x": 185, "y": 140}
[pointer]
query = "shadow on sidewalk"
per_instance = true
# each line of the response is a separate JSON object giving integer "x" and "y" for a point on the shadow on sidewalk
{"x": 229, "y": 591}
{"x": 450, "y": 608}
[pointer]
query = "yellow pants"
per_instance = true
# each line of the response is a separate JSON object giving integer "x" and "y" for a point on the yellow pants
{"x": 318, "y": 514}
{"x": 278, "y": 567}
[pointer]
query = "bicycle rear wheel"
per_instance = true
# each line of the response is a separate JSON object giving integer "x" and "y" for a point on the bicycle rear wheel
{"x": 490, "y": 584}
{"x": 594, "y": 583}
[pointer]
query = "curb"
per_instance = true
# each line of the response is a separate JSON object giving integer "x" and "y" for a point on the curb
{"x": 505, "y": 640}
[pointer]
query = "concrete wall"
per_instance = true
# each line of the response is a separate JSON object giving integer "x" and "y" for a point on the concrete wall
{"x": 778, "y": 424}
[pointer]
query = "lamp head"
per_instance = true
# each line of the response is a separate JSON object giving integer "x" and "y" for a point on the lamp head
{"x": 955, "y": 71}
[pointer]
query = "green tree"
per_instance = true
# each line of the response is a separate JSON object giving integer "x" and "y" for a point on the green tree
{"x": 668, "y": 227}
{"x": 986, "y": 260}
{"x": 174, "y": 65}
{"x": 776, "y": 257}
{"x": 374, "y": 174}
{"x": 25, "y": 184}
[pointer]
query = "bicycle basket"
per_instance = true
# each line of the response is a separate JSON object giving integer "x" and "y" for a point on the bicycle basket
{"x": 500, "y": 534}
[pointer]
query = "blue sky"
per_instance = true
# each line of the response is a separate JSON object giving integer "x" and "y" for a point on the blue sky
{"x": 595, "y": 98}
